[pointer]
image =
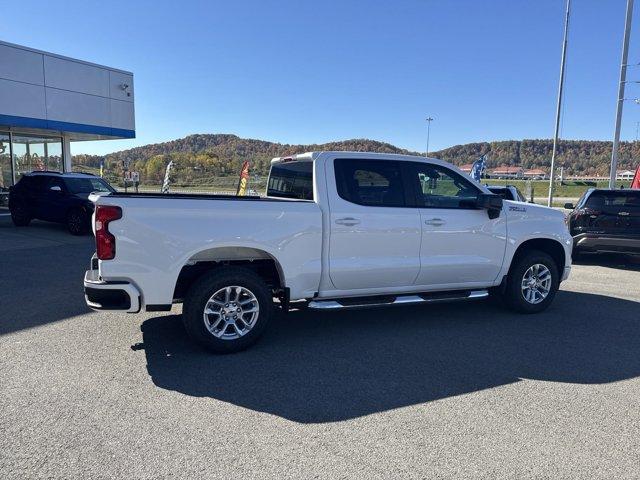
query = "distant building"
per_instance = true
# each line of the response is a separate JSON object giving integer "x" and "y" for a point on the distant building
{"x": 507, "y": 172}
{"x": 625, "y": 175}
{"x": 466, "y": 168}
{"x": 535, "y": 174}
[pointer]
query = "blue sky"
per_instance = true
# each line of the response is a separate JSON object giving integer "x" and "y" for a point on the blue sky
{"x": 316, "y": 71}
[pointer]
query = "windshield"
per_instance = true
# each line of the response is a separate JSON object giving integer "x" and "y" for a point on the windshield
{"x": 291, "y": 180}
{"x": 87, "y": 185}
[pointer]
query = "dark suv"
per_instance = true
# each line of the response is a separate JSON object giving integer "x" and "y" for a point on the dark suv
{"x": 606, "y": 221}
{"x": 56, "y": 197}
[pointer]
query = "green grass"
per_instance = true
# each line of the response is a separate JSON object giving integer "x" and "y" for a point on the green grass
{"x": 541, "y": 187}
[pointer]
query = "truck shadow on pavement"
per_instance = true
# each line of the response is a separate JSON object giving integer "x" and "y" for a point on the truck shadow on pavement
{"x": 314, "y": 367}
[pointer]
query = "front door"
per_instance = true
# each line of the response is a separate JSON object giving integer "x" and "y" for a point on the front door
{"x": 374, "y": 235}
{"x": 461, "y": 246}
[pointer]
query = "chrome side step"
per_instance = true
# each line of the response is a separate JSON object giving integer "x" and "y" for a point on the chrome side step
{"x": 368, "y": 302}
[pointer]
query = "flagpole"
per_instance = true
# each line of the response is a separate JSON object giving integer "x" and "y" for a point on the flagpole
{"x": 559, "y": 105}
{"x": 429, "y": 120}
{"x": 621, "y": 85}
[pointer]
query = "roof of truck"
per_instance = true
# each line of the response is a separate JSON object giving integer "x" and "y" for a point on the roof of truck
{"x": 310, "y": 156}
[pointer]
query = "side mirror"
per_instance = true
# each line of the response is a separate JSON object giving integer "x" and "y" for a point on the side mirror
{"x": 490, "y": 202}
{"x": 55, "y": 188}
{"x": 569, "y": 206}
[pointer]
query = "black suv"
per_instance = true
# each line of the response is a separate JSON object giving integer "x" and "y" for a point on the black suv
{"x": 606, "y": 221}
{"x": 56, "y": 197}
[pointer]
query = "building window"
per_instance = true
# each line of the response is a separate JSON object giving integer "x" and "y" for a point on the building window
{"x": 6, "y": 177}
{"x": 32, "y": 153}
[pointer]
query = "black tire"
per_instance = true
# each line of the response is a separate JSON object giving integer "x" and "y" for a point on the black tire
{"x": 514, "y": 296}
{"x": 198, "y": 297}
{"x": 577, "y": 255}
{"x": 77, "y": 222}
{"x": 20, "y": 215}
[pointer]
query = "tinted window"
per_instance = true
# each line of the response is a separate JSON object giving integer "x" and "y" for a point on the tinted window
{"x": 626, "y": 199}
{"x": 87, "y": 185}
{"x": 38, "y": 182}
{"x": 376, "y": 183}
{"x": 439, "y": 187}
{"x": 291, "y": 180}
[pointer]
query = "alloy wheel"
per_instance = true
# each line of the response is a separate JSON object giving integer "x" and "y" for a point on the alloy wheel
{"x": 536, "y": 283}
{"x": 231, "y": 312}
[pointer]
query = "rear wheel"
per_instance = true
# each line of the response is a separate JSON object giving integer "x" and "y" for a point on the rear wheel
{"x": 227, "y": 309}
{"x": 77, "y": 222}
{"x": 20, "y": 215}
{"x": 532, "y": 282}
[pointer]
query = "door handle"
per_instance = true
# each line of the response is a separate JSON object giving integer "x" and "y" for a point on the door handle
{"x": 436, "y": 222}
{"x": 624, "y": 214}
{"x": 348, "y": 221}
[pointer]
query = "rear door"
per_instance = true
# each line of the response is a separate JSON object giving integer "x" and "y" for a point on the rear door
{"x": 375, "y": 234}
{"x": 34, "y": 193}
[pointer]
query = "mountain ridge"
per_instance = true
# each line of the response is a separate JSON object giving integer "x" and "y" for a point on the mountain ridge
{"x": 222, "y": 154}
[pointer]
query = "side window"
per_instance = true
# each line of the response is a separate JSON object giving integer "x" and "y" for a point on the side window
{"x": 38, "y": 183}
{"x": 376, "y": 183}
{"x": 439, "y": 187}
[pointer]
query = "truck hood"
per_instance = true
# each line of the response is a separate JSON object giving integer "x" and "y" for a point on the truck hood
{"x": 521, "y": 210}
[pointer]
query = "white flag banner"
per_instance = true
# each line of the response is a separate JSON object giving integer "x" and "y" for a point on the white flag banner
{"x": 167, "y": 180}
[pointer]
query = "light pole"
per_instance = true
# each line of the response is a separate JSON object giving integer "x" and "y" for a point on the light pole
{"x": 429, "y": 120}
{"x": 623, "y": 77}
{"x": 559, "y": 105}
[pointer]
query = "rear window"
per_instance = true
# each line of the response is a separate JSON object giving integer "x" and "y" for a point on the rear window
{"x": 291, "y": 180}
{"x": 626, "y": 199}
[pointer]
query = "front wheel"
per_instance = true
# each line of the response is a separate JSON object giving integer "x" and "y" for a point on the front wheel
{"x": 227, "y": 309}
{"x": 532, "y": 282}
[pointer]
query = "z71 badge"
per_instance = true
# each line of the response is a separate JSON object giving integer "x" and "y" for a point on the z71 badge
{"x": 515, "y": 208}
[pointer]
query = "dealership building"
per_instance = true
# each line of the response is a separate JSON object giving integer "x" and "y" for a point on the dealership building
{"x": 48, "y": 101}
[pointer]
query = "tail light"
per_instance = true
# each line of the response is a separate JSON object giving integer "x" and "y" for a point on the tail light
{"x": 105, "y": 241}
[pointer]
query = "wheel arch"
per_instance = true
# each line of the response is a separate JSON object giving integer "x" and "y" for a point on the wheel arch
{"x": 551, "y": 246}
{"x": 258, "y": 260}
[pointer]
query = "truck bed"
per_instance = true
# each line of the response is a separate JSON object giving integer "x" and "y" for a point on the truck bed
{"x": 201, "y": 196}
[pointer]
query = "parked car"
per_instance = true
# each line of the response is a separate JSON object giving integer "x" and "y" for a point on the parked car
{"x": 56, "y": 197}
{"x": 336, "y": 230}
{"x": 606, "y": 220}
{"x": 508, "y": 192}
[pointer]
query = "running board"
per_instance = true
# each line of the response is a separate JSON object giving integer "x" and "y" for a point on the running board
{"x": 367, "y": 302}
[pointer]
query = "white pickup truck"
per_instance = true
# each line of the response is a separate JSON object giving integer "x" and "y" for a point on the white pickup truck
{"x": 335, "y": 230}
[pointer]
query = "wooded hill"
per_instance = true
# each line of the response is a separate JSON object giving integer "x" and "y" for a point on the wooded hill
{"x": 198, "y": 158}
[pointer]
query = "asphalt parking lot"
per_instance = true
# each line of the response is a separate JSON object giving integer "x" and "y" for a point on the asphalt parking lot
{"x": 443, "y": 391}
